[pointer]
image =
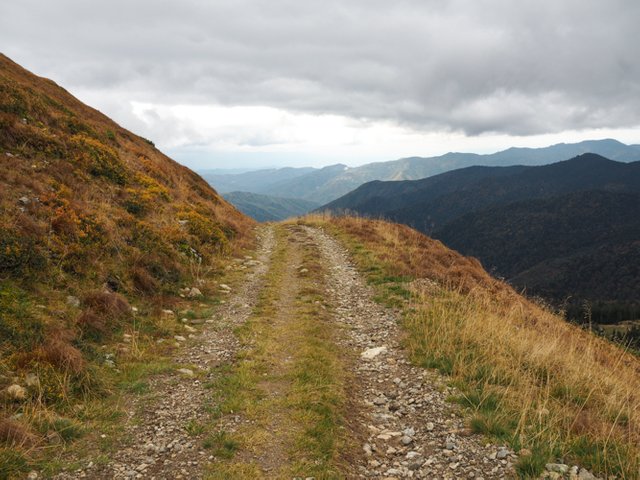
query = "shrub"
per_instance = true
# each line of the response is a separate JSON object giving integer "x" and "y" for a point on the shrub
{"x": 19, "y": 255}
{"x": 102, "y": 161}
{"x": 204, "y": 229}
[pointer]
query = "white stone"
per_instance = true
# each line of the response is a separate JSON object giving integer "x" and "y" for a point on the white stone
{"x": 372, "y": 353}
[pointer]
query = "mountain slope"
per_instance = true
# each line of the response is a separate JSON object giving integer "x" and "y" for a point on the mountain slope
{"x": 584, "y": 244}
{"x": 324, "y": 188}
{"x": 556, "y": 230}
{"x": 92, "y": 219}
{"x": 265, "y": 208}
{"x": 430, "y": 203}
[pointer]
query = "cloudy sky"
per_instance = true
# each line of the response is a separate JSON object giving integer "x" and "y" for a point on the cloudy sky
{"x": 246, "y": 83}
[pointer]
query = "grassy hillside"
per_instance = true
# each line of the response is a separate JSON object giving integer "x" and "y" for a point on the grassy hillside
{"x": 93, "y": 219}
{"x": 549, "y": 389}
{"x": 265, "y": 208}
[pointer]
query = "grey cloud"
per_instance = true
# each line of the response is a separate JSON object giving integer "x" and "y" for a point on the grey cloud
{"x": 476, "y": 66}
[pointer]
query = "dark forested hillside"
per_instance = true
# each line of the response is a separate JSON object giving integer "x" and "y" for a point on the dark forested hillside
{"x": 568, "y": 231}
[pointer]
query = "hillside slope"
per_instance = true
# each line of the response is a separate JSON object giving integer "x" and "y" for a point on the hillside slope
{"x": 92, "y": 217}
{"x": 551, "y": 229}
{"x": 584, "y": 244}
{"x": 265, "y": 208}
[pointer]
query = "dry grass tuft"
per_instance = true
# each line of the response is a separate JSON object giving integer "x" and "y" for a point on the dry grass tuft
{"x": 59, "y": 353}
{"x": 108, "y": 305}
{"x": 16, "y": 434}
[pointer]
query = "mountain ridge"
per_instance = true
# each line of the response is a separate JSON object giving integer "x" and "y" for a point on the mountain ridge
{"x": 324, "y": 188}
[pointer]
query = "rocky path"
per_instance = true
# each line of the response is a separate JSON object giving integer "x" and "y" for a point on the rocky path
{"x": 396, "y": 422}
{"x": 162, "y": 443}
{"x": 411, "y": 430}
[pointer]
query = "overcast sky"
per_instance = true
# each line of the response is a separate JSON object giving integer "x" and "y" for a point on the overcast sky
{"x": 271, "y": 82}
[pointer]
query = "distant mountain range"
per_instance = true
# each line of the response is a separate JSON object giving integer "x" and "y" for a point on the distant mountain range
{"x": 264, "y": 208}
{"x": 568, "y": 230}
{"x": 322, "y": 185}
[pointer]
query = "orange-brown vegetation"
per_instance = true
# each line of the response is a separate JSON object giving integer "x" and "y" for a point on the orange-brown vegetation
{"x": 531, "y": 379}
{"x": 92, "y": 211}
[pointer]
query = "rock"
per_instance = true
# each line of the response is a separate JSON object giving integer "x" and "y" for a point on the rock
{"x": 502, "y": 453}
{"x": 585, "y": 474}
{"x": 190, "y": 329}
{"x": 372, "y": 353}
{"x": 381, "y": 400}
{"x": 24, "y": 200}
{"x": 179, "y": 338}
{"x": 406, "y": 440}
{"x": 557, "y": 467}
{"x": 73, "y": 301}
{"x": 168, "y": 313}
{"x": 224, "y": 286}
{"x": 304, "y": 270}
{"x": 409, "y": 432}
{"x": 186, "y": 371}
{"x": 33, "y": 475}
{"x": 194, "y": 293}
{"x": 430, "y": 426}
{"x": 16, "y": 392}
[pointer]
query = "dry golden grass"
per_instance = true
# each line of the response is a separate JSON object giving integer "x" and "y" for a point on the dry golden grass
{"x": 530, "y": 378}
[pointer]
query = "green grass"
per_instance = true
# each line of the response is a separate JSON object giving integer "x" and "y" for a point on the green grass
{"x": 221, "y": 445}
{"x": 13, "y": 464}
{"x": 289, "y": 348}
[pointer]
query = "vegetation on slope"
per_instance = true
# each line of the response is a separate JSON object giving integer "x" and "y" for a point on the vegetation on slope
{"x": 549, "y": 389}
{"x": 566, "y": 231}
{"x": 92, "y": 219}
